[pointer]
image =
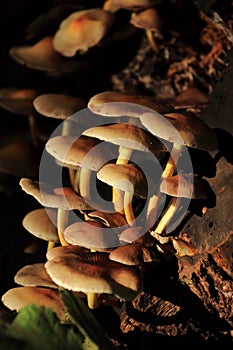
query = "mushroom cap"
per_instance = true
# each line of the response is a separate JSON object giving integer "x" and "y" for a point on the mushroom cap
{"x": 19, "y": 297}
{"x": 116, "y": 104}
{"x": 17, "y": 100}
{"x": 42, "y": 56}
{"x": 184, "y": 185}
{"x": 94, "y": 272}
{"x": 109, "y": 219}
{"x": 148, "y": 19}
{"x": 81, "y": 152}
{"x": 127, "y": 178}
{"x": 191, "y": 97}
{"x": 131, "y": 234}
{"x": 121, "y": 134}
{"x": 34, "y": 275}
{"x": 58, "y": 106}
{"x": 40, "y": 223}
{"x": 132, "y": 5}
{"x": 179, "y": 128}
{"x": 91, "y": 234}
{"x": 65, "y": 198}
{"x": 128, "y": 254}
{"x": 82, "y": 30}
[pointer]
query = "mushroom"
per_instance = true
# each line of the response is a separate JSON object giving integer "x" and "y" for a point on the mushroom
{"x": 19, "y": 297}
{"x": 132, "y": 5}
{"x": 117, "y": 104}
{"x": 109, "y": 219}
{"x": 93, "y": 272}
{"x": 40, "y": 223}
{"x": 19, "y": 101}
{"x": 132, "y": 254}
{"x": 82, "y": 30}
{"x": 42, "y": 56}
{"x": 127, "y": 178}
{"x": 192, "y": 97}
{"x": 64, "y": 199}
{"x": 59, "y": 106}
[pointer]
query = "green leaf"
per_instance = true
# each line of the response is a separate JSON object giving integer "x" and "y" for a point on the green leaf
{"x": 40, "y": 329}
{"x": 84, "y": 320}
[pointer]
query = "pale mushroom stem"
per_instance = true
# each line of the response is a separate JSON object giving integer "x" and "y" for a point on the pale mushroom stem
{"x": 172, "y": 160}
{"x": 62, "y": 223}
{"x": 151, "y": 40}
{"x": 118, "y": 195}
{"x": 51, "y": 244}
{"x": 73, "y": 174}
{"x": 84, "y": 182}
{"x": 152, "y": 209}
{"x": 93, "y": 301}
{"x": 32, "y": 130}
{"x": 128, "y": 208}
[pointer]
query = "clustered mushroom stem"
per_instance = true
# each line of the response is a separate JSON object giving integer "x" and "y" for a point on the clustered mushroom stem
{"x": 172, "y": 160}
{"x": 118, "y": 195}
{"x": 32, "y": 130}
{"x": 151, "y": 40}
{"x": 152, "y": 209}
{"x": 93, "y": 300}
{"x": 84, "y": 182}
{"x": 50, "y": 245}
{"x": 62, "y": 223}
{"x": 128, "y": 208}
{"x": 168, "y": 215}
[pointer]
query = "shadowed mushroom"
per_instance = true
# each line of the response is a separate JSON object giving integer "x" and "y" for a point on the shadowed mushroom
{"x": 93, "y": 272}
{"x": 132, "y": 5}
{"x": 20, "y": 101}
{"x": 108, "y": 218}
{"x": 42, "y": 56}
{"x": 39, "y": 223}
{"x": 19, "y": 297}
{"x": 127, "y": 178}
{"x": 117, "y": 104}
{"x": 64, "y": 199}
{"x": 192, "y": 97}
{"x": 34, "y": 275}
{"x": 82, "y": 30}
{"x": 178, "y": 186}
{"x": 59, "y": 106}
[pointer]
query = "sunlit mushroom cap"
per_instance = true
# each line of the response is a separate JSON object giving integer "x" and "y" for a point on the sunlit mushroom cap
{"x": 127, "y": 178}
{"x": 121, "y": 134}
{"x": 91, "y": 234}
{"x": 179, "y": 128}
{"x": 58, "y": 106}
{"x": 40, "y": 223}
{"x": 113, "y": 103}
{"x": 65, "y": 198}
{"x": 184, "y": 185}
{"x": 82, "y": 30}
{"x": 42, "y": 56}
{"x": 34, "y": 275}
{"x": 148, "y": 19}
{"x": 19, "y": 297}
{"x": 132, "y": 5}
{"x": 129, "y": 254}
{"x": 94, "y": 272}
{"x": 82, "y": 151}
{"x": 17, "y": 100}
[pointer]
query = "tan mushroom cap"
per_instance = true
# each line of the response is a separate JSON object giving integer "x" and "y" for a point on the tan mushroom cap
{"x": 131, "y": 234}
{"x": 191, "y": 97}
{"x": 128, "y": 254}
{"x": 34, "y": 275}
{"x": 42, "y": 56}
{"x": 19, "y": 297}
{"x": 132, "y": 5}
{"x": 94, "y": 272}
{"x": 77, "y": 152}
{"x": 148, "y": 19}
{"x": 91, "y": 234}
{"x": 40, "y": 223}
{"x": 179, "y": 128}
{"x": 121, "y": 134}
{"x": 59, "y": 251}
{"x": 58, "y": 106}
{"x": 127, "y": 178}
{"x": 65, "y": 198}
{"x": 18, "y": 100}
{"x": 113, "y": 103}
{"x": 82, "y": 30}
{"x": 109, "y": 219}
{"x": 184, "y": 185}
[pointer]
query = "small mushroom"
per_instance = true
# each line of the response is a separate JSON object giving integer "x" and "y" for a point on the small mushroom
{"x": 82, "y": 30}
{"x": 34, "y": 275}
{"x": 127, "y": 178}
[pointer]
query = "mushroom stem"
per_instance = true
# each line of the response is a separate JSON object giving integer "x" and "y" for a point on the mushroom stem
{"x": 171, "y": 210}
{"x": 73, "y": 174}
{"x": 93, "y": 300}
{"x": 84, "y": 181}
{"x": 151, "y": 40}
{"x": 172, "y": 160}
{"x": 62, "y": 223}
{"x": 50, "y": 245}
{"x": 128, "y": 208}
{"x": 152, "y": 210}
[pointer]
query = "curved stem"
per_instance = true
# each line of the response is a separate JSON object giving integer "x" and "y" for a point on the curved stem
{"x": 151, "y": 40}
{"x": 128, "y": 208}
{"x": 84, "y": 182}
{"x": 62, "y": 223}
{"x": 172, "y": 160}
{"x": 93, "y": 300}
{"x": 51, "y": 244}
